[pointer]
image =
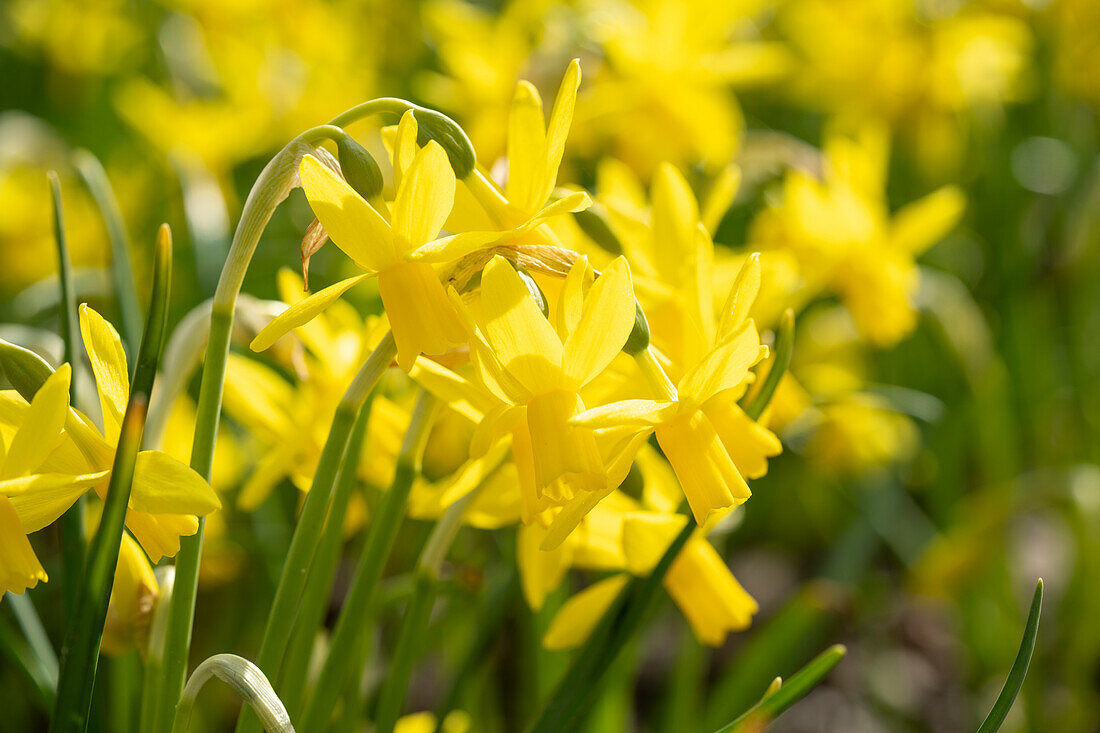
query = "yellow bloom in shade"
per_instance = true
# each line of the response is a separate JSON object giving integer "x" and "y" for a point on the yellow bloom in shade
{"x": 620, "y": 534}
{"x": 421, "y": 316}
{"x": 457, "y": 721}
{"x": 49, "y": 473}
{"x": 19, "y": 566}
{"x": 133, "y": 595}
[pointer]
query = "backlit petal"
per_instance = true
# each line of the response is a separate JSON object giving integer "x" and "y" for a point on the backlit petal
{"x": 580, "y": 614}
{"x": 163, "y": 485}
{"x": 724, "y": 367}
{"x": 352, "y": 225}
{"x": 526, "y": 149}
{"x": 557, "y": 130}
{"x": 40, "y": 433}
{"x": 302, "y": 312}
{"x": 607, "y": 317}
{"x": 108, "y": 359}
{"x": 424, "y": 198}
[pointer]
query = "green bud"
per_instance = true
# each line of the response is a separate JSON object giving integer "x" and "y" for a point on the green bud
{"x": 593, "y": 223}
{"x": 432, "y": 125}
{"x": 638, "y": 340}
{"x": 536, "y": 292}
{"x": 360, "y": 169}
{"x": 25, "y": 369}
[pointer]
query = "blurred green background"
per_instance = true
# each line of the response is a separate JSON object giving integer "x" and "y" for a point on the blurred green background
{"x": 912, "y": 532}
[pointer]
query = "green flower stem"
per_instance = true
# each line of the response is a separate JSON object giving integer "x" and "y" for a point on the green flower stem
{"x": 122, "y": 270}
{"x": 271, "y": 187}
{"x": 311, "y": 522}
{"x": 19, "y": 657}
{"x": 496, "y": 602}
{"x": 154, "y": 657}
{"x": 1015, "y": 680}
{"x": 418, "y": 612}
{"x": 247, "y": 680}
{"x": 380, "y": 540}
{"x": 781, "y": 696}
{"x": 318, "y": 590}
{"x": 80, "y": 654}
{"x": 73, "y": 541}
{"x": 574, "y": 697}
{"x": 784, "y": 345}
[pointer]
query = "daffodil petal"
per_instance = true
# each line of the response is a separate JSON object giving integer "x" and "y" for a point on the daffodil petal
{"x": 159, "y": 534}
{"x": 646, "y": 536}
{"x": 352, "y": 224}
{"x": 539, "y": 571}
{"x": 607, "y": 317}
{"x": 919, "y": 225}
{"x": 424, "y": 198}
{"x": 302, "y": 312}
{"x": 708, "y": 595}
{"x": 163, "y": 485}
{"x": 469, "y": 399}
{"x": 636, "y": 413}
{"x": 741, "y": 297}
{"x": 526, "y": 148}
{"x": 570, "y": 516}
{"x": 112, "y": 377}
{"x": 571, "y": 300}
{"x": 43, "y": 422}
{"x": 40, "y": 498}
{"x": 19, "y": 566}
{"x": 524, "y": 340}
{"x": 404, "y": 146}
{"x": 455, "y": 247}
{"x": 557, "y": 130}
{"x": 724, "y": 367}
{"x": 580, "y": 614}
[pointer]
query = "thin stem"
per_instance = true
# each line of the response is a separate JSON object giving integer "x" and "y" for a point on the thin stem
{"x": 122, "y": 269}
{"x": 318, "y": 589}
{"x": 380, "y": 541}
{"x": 578, "y": 690}
{"x": 307, "y": 533}
{"x": 272, "y": 186}
{"x": 154, "y": 658}
{"x": 784, "y": 345}
{"x": 73, "y": 541}
{"x": 80, "y": 654}
{"x": 418, "y": 612}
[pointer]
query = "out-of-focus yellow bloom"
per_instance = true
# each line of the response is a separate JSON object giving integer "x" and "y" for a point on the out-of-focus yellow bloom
{"x": 664, "y": 89}
{"x": 166, "y": 495}
{"x": 79, "y": 37}
{"x": 846, "y": 241}
{"x": 133, "y": 595}
{"x": 457, "y": 721}
{"x": 482, "y": 54}
{"x": 687, "y": 422}
{"x": 924, "y": 73}
{"x": 1076, "y": 64}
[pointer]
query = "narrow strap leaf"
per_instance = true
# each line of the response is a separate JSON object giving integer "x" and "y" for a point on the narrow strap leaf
{"x": 1016, "y": 675}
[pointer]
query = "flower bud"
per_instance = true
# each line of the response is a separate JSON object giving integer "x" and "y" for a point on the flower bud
{"x": 638, "y": 340}
{"x": 432, "y": 125}
{"x": 26, "y": 370}
{"x": 594, "y": 224}
{"x": 359, "y": 167}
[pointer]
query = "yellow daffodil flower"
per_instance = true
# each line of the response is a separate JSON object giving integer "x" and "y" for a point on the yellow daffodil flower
{"x": 421, "y": 316}
{"x": 531, "y": 372}
{"x": 166, "y": 495}
{"x": 845, "y": 239}
{"x": 134, "y": 592}
{"x": 700, "y": 427}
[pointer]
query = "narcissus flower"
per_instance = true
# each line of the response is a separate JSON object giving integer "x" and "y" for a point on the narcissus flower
{"x": 422, "y": 318}
{"x": 531, "y": 372}
{"x": 699, "y": 425}
{"x": 166, "y": 495}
